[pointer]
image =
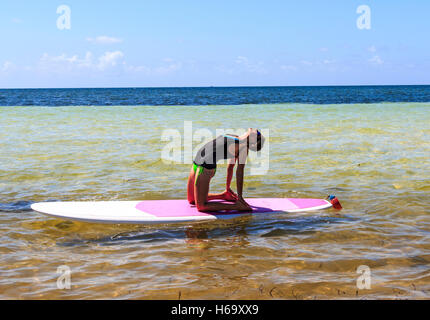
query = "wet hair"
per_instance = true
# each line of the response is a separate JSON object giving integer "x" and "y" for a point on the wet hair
{"x": 260, "y": 142}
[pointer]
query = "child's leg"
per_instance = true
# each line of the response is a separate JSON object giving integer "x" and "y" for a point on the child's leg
{"x": 201, "y": 192}
{"x": 227, "y": 196}
{"x": 220, "y": 196}
{"x": 212, "y": 196}
{"x": 215, "y": 196}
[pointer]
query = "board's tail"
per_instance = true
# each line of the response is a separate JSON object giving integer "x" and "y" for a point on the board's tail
{"x": 335, "y": 202}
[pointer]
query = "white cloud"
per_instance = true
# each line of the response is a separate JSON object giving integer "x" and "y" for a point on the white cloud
{"x": 242, "y": 64}
{"x": 87, "y": 61}
{"x": 104, "y": 40}
{"x": 7, "y": 65}
{"x": 327, "y": 61}
{"x": 288, "y": 68}
{"x": 223, "y": 69}
{"x": 169, "y": 66}
{"x": 249, "y": 66}
{"x": 372, "y": 49}
{"x": 68, "y": 63}
{"x": 90, "y": 65}
{"x": 306, "y": 63}
{"x": 138, "y": 69}
{"x": 376, "y": 60}
{"x": 242, "y": 60}
{"x": 109, "y": 59}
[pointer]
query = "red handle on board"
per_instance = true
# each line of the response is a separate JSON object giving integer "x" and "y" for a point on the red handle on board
{"x": 335, "y": 202}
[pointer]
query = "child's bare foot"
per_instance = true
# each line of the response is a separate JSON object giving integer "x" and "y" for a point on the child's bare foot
{"x": 242, "y": 206}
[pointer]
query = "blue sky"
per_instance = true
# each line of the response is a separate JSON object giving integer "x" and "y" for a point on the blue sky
{"x": 213, "y": 43}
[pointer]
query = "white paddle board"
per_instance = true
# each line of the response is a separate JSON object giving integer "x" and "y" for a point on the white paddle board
{"x": 166, "y": 211}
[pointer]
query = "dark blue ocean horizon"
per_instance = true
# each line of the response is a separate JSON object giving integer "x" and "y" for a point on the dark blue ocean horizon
{"x": 214, "y": 95}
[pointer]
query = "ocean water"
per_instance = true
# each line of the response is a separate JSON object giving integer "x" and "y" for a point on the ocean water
{"x": 373, "y": 156}
{"x": 212, "y": 96}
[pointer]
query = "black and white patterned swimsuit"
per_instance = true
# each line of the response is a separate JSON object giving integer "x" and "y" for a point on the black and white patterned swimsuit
{"x": 215, "y": 150}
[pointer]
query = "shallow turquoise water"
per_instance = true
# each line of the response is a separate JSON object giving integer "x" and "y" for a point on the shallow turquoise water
{"x": 374, "y": 157}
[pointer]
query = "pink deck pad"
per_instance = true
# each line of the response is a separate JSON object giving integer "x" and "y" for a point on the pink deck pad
{"x": 181, "y": 208}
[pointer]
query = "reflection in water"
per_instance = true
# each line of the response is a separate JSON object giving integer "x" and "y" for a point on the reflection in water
{"x": 237, "y": 230}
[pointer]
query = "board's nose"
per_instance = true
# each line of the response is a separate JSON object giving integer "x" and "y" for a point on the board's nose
{"x": 35, "y": 206}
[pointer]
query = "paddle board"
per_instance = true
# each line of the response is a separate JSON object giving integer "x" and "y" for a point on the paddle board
{"x": 166, "y": 211}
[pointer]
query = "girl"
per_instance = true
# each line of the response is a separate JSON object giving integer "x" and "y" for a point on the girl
{"x": 231, "y": 147}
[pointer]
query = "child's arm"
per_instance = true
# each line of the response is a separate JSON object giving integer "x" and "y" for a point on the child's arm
{"x": 239, "y": 179}
{"x": 240, "y": 171}
{"x": 230, "y": 167}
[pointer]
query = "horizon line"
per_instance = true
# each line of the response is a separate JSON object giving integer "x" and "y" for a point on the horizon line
{"x": 247, "y": 86}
